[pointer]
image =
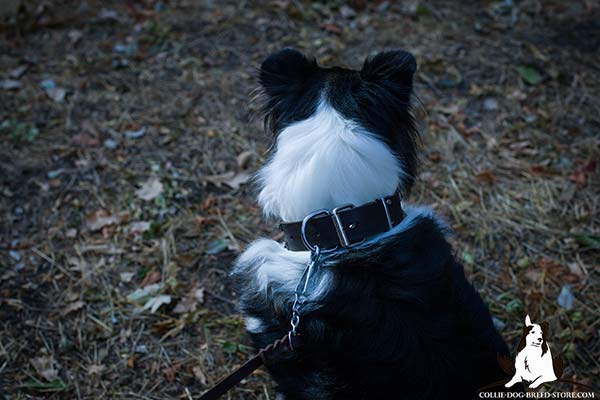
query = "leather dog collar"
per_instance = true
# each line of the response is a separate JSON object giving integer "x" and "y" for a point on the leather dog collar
{"x": 344, "y": 226}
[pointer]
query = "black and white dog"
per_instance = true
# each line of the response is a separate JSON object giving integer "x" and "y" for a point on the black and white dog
{"x": 389, "y": 314}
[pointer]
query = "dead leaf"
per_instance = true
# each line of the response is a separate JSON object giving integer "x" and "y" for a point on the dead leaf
{"x": 190, "y": 302}
{"x": 581, "y": 175}
{"x": 150, "y": 189}
{"x": 131, "y": 361}
{"x": 45, "y": 366}
{"x": 199, "y": 374}
{"x": 139, "y": 226}
{"x": 126, "y": 276}
{"x": 485, "y": 177}
{"x": 154, "y": 303}
{"x": 57, "y": 94}
{"x": 77, "y": 305}
{"x": 238, "y": 180}
{"x": 9, "y": 84}
{"x": 576, "y": 269}
{"x": 230, "y": 178}
{"x": 101, "y": 218}
{"x": 533, "y": 275}
{"x": 18, "y": 72}
{"x": 150, "y": 278}
{"x": 96, "y": 369}
{"x": 170, "y": 372}
{"x": 332, "y": 28}
{"x": 85, "y": 140}
{"x": 244, "y": 159}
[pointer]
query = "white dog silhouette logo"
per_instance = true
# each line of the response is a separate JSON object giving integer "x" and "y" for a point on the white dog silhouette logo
{"x": 534, "y": 361}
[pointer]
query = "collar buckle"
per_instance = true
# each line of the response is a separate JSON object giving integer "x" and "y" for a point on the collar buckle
{"x": 339, "y": 226}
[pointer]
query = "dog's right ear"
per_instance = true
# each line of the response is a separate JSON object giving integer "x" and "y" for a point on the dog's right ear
{"x": 528, "y": 321}
{"x": 393, "y": 69}
{"x": 285, "y": 68}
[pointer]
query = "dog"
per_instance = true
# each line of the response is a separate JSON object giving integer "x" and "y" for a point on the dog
{"x": 387, "y": 315}
{"x": 534, "y": 361}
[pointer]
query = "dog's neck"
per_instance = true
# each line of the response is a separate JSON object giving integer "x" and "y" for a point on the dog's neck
{"x": 324, "y": 162}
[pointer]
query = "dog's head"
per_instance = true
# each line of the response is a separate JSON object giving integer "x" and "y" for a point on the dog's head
{"x": 534, "y": 335}
{"x": 345, "y": 128}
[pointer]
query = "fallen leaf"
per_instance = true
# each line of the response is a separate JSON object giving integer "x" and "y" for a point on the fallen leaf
{"x": 135, "y": 134}
{"x": 150, "y": 278}
{"x": 139, "y": 226}
{"x": 71, "y": 233}
{"x": 18, "y": 72}
{"x": 238, "y": 180}
{"x": 48, "y": 84}
{"x": 55, "y": 173}
{"x": 190, "y": 302}
{"x": 150, "y": 189}
{"x": 101, "y": 218}
{"x": 126, "y": 276}
{"x": 216, "y": 246}
{"x": 111, "y": 144}
{"x": 77, "y": 305}
{"x": 141, "y": 295}
{"x": 131, "y": 361}
{"x": 96, "y": 369}
{"x": 332, "y": 28}
{"x": 75, "y": 35}
{"x": 199, "y": 375}
{"x": 45, "y": 367}
{"x": 529, "y": 75}
{"x": 154, "y": 303}
{"x": 170, "y": 372}
{"x": 85, "y": 140}
{"x": 485, "y": 177}
{"x": 565, "y": 298}
{"x": 9, "y": 84}
{"x": 576, "y": 269}
{"x": 57, "y": 94}
{"x": 244, "y": 159}
{"x": 109, "y": 15}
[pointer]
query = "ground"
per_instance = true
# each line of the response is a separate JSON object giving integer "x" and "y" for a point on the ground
{"x": 129, "y": 132}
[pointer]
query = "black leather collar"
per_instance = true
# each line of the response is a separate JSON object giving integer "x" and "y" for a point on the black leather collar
{"x": 344, "y": 226}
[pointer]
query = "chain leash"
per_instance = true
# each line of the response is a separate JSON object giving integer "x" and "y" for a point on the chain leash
{"x": 300, "y": 293}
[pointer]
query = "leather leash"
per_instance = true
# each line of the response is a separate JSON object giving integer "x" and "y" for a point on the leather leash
{"x": 277, "y": 348}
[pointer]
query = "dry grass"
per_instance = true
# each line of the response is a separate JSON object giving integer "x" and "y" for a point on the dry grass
{"x": 512, "y": 166}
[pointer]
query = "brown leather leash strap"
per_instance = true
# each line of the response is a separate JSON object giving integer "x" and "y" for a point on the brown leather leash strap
{"x": 286, "y": 344}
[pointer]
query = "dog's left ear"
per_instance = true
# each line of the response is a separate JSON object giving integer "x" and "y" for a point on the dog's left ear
{"x": 545, "y": 327}
{"x": 393, "y": 69}
{"x": 283, "y": 69}
{"x": 528, "y": 321}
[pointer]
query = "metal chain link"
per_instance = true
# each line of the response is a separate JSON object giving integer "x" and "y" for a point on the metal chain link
{"x": 300, "y": 292}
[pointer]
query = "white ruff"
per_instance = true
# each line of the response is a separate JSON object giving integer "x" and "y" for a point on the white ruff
{"x": 325, "y": 161}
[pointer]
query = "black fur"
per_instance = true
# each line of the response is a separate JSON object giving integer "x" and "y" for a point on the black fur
{"x": 399, "y": 321}
{"x": 399, "y": 318}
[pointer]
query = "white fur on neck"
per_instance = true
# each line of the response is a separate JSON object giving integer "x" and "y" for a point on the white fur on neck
{"x": 271, "y": 264}
{"x": 326, "y": 161}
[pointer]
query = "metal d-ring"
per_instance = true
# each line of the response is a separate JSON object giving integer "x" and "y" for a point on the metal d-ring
{"x": 305, "y": 222}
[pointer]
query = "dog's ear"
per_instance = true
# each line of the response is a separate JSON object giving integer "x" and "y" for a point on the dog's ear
{"x": 528, "y": 321}
{"x": 393, "y": 69}
{"x": 285, "y": 68}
